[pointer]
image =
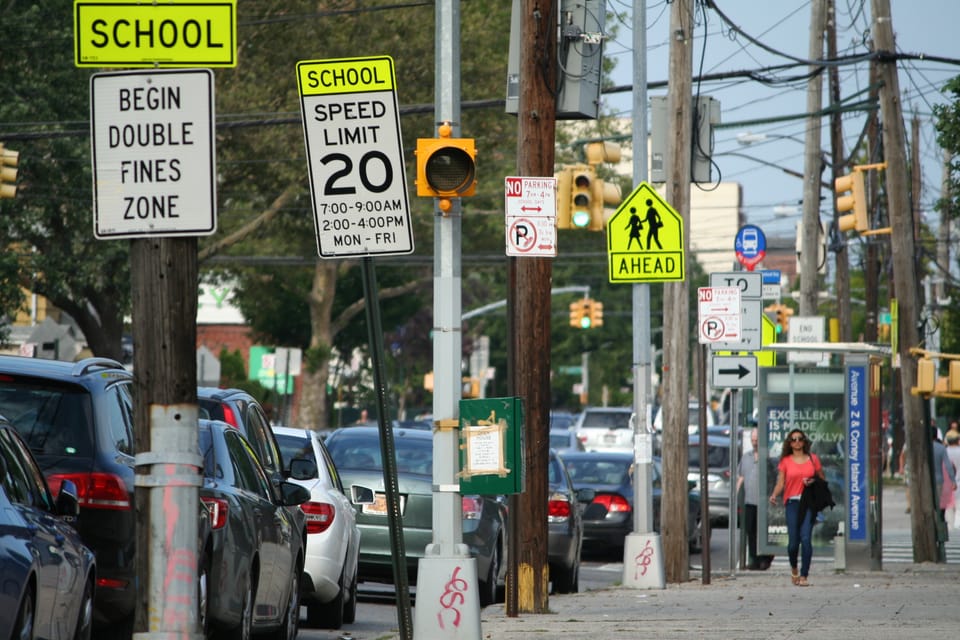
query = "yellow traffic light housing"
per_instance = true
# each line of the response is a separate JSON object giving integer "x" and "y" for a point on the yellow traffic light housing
{"x": 856, "y": 202}
{"x": 9, "y": 160}
{"x": 586, "y": 320}
{"x": 926, "y": 377}
{"x": 604, "y": 193}
{"x": 581, "y": 196}
{"x": 576, "y": 314}
{"x": 446, "y": 167}
{"x": 953, "y": 376}
{"x": 596, "y": 314}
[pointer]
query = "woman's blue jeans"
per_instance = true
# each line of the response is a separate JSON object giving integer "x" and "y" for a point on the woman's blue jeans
{"x": 799, "y": 536}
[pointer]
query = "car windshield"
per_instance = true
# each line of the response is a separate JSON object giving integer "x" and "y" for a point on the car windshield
{"x": 559, "y": 440}
{"x": 606, "y": 419}
{"x": 53, "y": 419}
{"x": 355, "y": 451}
{"x": 592, "y": 471}
{"x": 717, "y": 457}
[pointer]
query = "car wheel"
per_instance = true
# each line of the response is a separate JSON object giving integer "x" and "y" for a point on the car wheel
{"x": 350, "y": 610}
{"x": 23, "y": 628}
{"x": 696, "y": 540}
{"x": 203, "y": 585}
{"x": 488, "y": 587}
{"x": 328, "y": 615}
{"x": 84, "y": 630}
{"x": 566, "y": 579}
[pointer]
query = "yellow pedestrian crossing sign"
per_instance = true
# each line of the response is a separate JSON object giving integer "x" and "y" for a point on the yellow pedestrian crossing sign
{"x": 645, "y": 239}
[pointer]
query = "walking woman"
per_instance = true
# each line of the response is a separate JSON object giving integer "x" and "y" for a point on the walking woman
{"x": 796, "y": 470}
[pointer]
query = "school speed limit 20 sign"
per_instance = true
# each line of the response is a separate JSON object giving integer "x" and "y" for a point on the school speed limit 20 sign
{"x": 351, "y": 124}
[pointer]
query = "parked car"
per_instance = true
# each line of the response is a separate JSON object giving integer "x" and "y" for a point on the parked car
{"x": 718, "y": 475}
{"x": 693, "y": 418}
{"x": 565, "y": 439}
{"x": 356, "y": 454}
{"x": 606, "y": 428}
{"x": 241, "y": 410}
{"x": 329, "y": 585}
{"x": 77, "y": 419}
{"x": 48, "y": 573}
{"x": 258, "y": 547}
{"x": 562, "y": 419}
{"x": 564, "y": 526}
{"x": 608, "y": 518}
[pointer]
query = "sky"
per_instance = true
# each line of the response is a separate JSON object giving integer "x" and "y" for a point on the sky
{"x": 771, "y": 197}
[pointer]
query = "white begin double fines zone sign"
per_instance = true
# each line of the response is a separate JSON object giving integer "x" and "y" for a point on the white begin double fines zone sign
{"x": 152, "y": 140}
{"x": 355, "y": 156}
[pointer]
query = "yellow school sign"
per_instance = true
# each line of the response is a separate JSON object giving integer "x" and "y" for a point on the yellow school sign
{"x": 645, "y": 239}
{"x": 173, "y": 33}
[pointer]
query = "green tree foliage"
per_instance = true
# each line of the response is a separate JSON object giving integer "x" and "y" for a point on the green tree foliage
{"x": 44, "y": 114}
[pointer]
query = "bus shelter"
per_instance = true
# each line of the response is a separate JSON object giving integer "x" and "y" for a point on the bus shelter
{"x": 839, "y": 409}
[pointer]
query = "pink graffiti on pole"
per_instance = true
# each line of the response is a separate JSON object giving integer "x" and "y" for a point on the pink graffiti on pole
{"x": 181, "y": 564}
{"x": 642, "y": 560}
{"x": 451, "y": 598}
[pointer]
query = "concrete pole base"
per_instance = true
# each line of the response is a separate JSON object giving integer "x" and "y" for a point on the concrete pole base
{"x": 643, "y": 561}
{"x": 448, "y": 597}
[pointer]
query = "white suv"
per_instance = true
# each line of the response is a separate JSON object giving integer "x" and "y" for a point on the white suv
{"x": 693, "y": 418}
{"x": 605, "y": 428}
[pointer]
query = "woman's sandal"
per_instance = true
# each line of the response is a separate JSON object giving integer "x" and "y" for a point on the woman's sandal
{"x": 802, "y": 582}
{"x": 795, "y": 576}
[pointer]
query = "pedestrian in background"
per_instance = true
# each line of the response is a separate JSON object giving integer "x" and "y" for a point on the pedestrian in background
{"x": 748, "y": 478}
{"x": 944, "y": 472}
{"x": 953, "y": 454}
{"x": 797, "y": 468}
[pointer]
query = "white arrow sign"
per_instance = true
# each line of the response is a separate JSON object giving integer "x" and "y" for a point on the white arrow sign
{"x": 734, "y": 372}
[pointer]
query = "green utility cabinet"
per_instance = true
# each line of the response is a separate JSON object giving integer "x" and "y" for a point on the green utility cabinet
{"x": 491, "y": 446}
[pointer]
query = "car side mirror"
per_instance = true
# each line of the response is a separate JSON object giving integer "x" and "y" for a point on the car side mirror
{"x": 585, "y": 495}
{"x": 292, "y": 494}
{"x": 303, "y": 469}
{"x": 67, "y": 503}
{"x": 361, "y": 495}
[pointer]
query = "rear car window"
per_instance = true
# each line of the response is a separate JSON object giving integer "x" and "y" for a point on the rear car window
{"x": 54, "y": 419}
{"x": 414, "y": 455}
{"x": 293, "y": 447}
{"x": 716, "y": 456}
{"x": 606, "y": 419}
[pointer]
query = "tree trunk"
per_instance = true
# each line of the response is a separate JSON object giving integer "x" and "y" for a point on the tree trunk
{"x": 313, "y": 399}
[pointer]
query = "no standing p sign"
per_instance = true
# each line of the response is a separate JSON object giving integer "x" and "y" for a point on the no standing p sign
{"x": 355, "y": 156}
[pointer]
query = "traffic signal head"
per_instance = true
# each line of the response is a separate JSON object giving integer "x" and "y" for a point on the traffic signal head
{"x": 446, "y": 167}
{"x": 576, "y": 313}
{"x": 586, "y": 319}
{"x": 581, "y": 196}
{"x": 856, "y": 201}
{"x": 9, "y": 160}
{"x": 602, "y": 151}
{"x": 604, "y": 193}
{"x": 596, "y": 314}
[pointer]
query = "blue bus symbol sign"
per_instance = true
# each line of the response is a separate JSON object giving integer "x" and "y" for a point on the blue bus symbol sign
{"x": 750, "y": 245}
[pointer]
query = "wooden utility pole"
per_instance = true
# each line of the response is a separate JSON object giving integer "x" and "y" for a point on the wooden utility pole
{"x": 676, "y": 306}
{"x": 841, "y": 255}
{"x": 905, "y": 270}
{"x": 164, "y": 295}
{"x": 529, "y": 302}
{"x": 943, "y": 242}
{"x": 810, "y": 228}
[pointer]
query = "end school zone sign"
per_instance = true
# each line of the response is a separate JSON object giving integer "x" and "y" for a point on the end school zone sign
{"x": 351, "y": 125}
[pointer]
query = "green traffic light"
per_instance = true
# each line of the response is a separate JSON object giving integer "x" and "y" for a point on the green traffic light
{"x": 585, "y": 322}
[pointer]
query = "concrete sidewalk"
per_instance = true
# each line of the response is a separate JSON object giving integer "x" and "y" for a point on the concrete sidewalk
{"x": 904, "y": 600}
{"x": 914, "y": 601}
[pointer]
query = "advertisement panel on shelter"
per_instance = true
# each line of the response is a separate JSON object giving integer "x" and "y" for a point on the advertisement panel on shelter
{"x": 812, "y": 400}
